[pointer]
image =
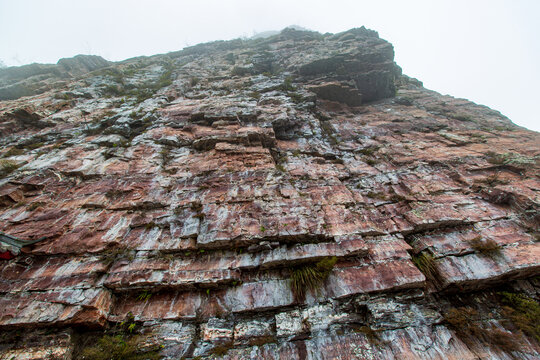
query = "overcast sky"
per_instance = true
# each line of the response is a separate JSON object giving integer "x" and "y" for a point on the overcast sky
{"x": 485, "y": 51}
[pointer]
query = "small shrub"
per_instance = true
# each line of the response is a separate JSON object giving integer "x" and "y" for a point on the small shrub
{"x": 239, "y": 71}
{"x": 296, "y": 97}
{"x": 287, "y": 85}
{"x": 35, "y": 205}
{"x": 510, "y": 158}
{"x": 426, "y": 264}
{"x": 7, "y": 167}
{"x": 193, "y": 81}
{"x": 230, "y": 58}
{"x": 462, "y": 117}
{"x": 369, "y": 151}
{"x": 491, "y": 180}
{"x": 371, "y": 161}
{"x": 311, "y": 277}
{"x": 485, "y": 247}
{"x": 111, "y": 256}
{"x": 196, "y": 206}
{"x": 14, "y": 152}
{"x": 150, "y": 225}
{"x": 166, "y": 155}
{"x": 376, "y": 195}
{"x": 255, "y": 95}
{"x": 113, "y": 90}
{"x": 114, "y": 194}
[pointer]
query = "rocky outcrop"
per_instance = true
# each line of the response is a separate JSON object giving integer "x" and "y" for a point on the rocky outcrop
{"x": 16, "y": 82}
{"x": 180, "y": 195}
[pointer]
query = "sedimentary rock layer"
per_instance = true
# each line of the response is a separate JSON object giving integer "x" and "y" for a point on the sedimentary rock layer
{"x": 176, "y": 195}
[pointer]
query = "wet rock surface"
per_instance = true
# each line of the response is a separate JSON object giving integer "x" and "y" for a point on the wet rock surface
{"x": 178, "y": 195}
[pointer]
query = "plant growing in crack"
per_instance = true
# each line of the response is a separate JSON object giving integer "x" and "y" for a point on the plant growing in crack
{"x": 310, "y": 277}
{"x": 471, "y": 327}
{"x": 144, "y": 296}
{"x": 426, "y": 264}
{"x": 7, "y": 167}
{"x": 487, "y": 247}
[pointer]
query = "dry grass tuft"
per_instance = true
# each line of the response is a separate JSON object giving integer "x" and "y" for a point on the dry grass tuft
{"x": 485, "y": 247}
{"x": 311, "y": 277}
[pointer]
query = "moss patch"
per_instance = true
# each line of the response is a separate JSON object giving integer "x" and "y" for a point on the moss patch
{"x": 523, "y": 312}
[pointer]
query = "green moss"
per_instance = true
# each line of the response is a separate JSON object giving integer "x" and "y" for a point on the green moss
{"x": 120, "y": 347}
{"x": 311, "y": 277}
{"x": 523, "y": 312}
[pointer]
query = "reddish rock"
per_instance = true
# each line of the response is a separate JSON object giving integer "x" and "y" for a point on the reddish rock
{"x": 178, "y": 193}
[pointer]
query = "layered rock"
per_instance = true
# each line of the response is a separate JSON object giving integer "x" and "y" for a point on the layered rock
{"x": 179, "y": 193}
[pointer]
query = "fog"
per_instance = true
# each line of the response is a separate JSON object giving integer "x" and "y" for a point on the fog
{"x": 485, "y": 51}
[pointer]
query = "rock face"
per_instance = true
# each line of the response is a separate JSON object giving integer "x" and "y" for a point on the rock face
{"x": 32, "y": 79}
{"x": 179, "y": 194}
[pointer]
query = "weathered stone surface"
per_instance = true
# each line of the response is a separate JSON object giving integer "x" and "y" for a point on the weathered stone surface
{"x": 39, "y": 345}
{"x": 336, "y": 91}
{"x": 58, "y": 307}
{"x": 175, "y": 338}
{"x": 217, "y": 330}
{"x": 252, "y": 330}
{"x": 16, "y": 82}
{"x": 290, "y": 324}
{"x": 175, "y": 196}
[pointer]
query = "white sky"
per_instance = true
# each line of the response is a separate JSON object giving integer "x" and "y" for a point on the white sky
{"x": 485, "y": 51}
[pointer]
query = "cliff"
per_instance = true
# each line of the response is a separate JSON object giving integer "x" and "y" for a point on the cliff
{"x": 289, "y": 197}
